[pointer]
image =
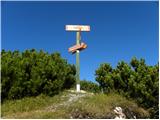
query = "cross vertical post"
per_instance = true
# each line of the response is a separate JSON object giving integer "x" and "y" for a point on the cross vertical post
{"x": 77, "y": 48}
{"x": 78, "y": 62}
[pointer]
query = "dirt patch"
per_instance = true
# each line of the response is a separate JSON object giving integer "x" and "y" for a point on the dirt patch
{"x": 72, "y": 97}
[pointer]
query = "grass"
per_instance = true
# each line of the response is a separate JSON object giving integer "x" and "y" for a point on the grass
{"x": 28, "y": 105}
{"x": 102, "y": 106}
{"x": 91, "y": 106}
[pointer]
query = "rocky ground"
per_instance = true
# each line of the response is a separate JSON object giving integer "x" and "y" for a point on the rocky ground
{"x": 70, "y": 104}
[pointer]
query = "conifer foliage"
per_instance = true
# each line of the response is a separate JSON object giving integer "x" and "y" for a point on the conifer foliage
{"x": 136, "y": 80}
{"x": 31, "y": 73}
{"x": 89, "y": 86}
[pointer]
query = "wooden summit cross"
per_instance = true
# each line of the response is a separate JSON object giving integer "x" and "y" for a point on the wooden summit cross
{"x": 78, "y": 47}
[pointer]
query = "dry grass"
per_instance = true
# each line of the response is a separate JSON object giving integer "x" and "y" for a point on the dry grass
{"x": 29, "y": 107}
{"x": 88, "y": 106}
{"x": 101, "y": 106}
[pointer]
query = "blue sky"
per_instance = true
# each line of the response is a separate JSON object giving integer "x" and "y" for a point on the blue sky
{"x": 119, "y": 30}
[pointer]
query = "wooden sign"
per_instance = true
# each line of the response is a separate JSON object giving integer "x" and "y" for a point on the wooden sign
{"x": 77, "y": 28}
{"x": 77, "y": 47}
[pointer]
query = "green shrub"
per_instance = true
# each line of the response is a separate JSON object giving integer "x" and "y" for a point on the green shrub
{"x": 89, "y": 86}
{"x": 137, "y": 81}
{"x": 31, "y": 73}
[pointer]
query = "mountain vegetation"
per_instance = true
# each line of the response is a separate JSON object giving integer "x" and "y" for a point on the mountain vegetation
{"x": 32, "y": 73}
{"x": 66, "y": 105}
{"x": 135, "y": 80}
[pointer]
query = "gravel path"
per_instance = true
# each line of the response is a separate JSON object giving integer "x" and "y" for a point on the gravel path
{"x": 72, "y": 97}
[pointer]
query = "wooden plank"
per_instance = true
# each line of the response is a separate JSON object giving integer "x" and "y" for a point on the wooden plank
{"x": 77, "y": 47}
{"x": 77, "y": 28}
